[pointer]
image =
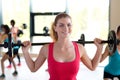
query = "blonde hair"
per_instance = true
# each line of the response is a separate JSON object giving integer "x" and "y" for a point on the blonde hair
{"x": 53, "y": 33}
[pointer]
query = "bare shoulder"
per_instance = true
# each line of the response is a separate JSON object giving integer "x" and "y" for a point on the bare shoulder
{"x": 4, "y": 36}
{"x": 79, "y": 45}
{"x": 81, "y": 49}
{"x": 44, "y": 50}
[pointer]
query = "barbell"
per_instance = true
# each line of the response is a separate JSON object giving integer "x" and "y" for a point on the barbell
{"x": 112, "y": 42}
{"x": 5, "y": 45}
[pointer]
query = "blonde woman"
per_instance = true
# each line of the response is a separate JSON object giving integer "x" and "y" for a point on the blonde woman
{"x": 63, "y": 55}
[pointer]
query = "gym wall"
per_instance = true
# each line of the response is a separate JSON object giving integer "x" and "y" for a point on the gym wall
{"x": 114, "y": 14}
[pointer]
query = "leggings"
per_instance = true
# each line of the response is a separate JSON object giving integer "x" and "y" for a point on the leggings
{"x": 15, "y": 52}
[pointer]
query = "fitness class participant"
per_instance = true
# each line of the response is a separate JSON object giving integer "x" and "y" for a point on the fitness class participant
{"x": 4, "y": 38}
{"x": 112, "y": 69}
{"x": 63, "y": 55}
{"x": 14, "y": 31}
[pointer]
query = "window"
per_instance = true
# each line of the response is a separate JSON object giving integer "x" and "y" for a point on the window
{"x": 41, "y": 20}
{"x": 43, "y": 13}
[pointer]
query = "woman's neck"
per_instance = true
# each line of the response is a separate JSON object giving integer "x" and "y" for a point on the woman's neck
{"x": 118, "y": 47}
{"x": 63, "y": 43}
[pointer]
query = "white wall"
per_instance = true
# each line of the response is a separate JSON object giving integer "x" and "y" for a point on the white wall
{"x": 114, "y": 14}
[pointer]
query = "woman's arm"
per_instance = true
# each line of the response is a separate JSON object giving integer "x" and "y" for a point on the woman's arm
{"x": 91, "y": 63}
{"x": 34, "y": 65}
{"x": 2, "y": 38}
{"x": 105, "y": 54}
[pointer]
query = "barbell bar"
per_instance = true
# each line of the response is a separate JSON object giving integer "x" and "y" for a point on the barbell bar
{"x": 82, "y": 40}
{"x": 112, "y": 42}
{"x": 33, "y": 44}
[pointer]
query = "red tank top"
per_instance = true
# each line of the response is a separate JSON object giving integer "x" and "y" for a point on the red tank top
{"x": 65, "y": 70}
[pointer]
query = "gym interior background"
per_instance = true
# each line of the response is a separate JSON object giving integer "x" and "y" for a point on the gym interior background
{"x": 94, "y": 18}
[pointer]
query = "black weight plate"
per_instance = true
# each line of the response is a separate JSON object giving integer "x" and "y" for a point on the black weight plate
{"x": 112, "y": 45}
{"x": 83, "y": 39}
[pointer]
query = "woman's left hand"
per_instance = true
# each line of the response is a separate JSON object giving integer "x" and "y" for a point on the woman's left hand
{"x": 98, "y": 43}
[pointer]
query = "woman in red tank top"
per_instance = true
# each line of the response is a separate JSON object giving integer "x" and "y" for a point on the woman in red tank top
{"x": 63, "y": 55}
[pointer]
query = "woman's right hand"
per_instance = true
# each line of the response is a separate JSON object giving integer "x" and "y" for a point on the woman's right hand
{"x": 26, "y": 46}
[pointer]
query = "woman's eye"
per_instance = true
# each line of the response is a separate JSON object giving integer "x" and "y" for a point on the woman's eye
{"x": 69, "y": 25}
{"x": 61, "y": 25}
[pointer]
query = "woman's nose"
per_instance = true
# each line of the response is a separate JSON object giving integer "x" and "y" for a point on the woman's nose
{"x": 65, "y": 27}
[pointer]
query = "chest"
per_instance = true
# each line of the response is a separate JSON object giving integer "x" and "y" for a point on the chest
{"x": 64, "y": 55}
{"x": 63, "y": 64}
{"x": 14, "y": 30}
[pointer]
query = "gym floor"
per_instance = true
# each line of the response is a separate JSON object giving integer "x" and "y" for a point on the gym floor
{"x": 25, "y": 74}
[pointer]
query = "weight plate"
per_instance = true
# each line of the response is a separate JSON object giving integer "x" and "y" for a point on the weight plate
{"x": 112, "y": 45}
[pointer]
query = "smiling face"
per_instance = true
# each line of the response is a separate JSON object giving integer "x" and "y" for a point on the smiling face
{"x": 63, "y": 27}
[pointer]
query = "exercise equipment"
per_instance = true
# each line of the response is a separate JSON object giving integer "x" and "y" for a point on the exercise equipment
{"x": 45, "y": 31}
{"x": 10, "y": 44}
{"x": 82, "y": 39}
{"x": 5, "y": 45}
{"x": 20, "y": 33}
{"x": 24, "y": 26}
{"x": 111, "y": 41}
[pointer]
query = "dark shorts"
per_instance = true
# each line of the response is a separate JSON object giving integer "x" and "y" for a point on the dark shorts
{"x": 108, "y": 75}
{"x": 15, "y": 52}
{"x": 10, "y": 54}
